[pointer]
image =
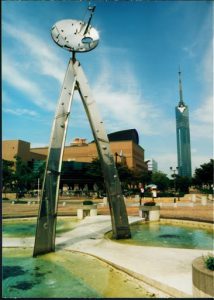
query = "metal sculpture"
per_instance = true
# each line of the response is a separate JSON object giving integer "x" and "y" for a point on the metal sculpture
{"x": 76, "y": 36}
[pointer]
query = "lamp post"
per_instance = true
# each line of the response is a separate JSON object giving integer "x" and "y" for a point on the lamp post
{"x": 174, "y": 175}
{"x": 116, "y": 155}
{"x": 120, "y": 155}
{"x": 38, "y": 190}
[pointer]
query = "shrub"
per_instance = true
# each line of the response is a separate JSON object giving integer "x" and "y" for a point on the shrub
{"x": 170, "y": 194}
{"x": 209, "y": 261}
{"x": 88, "y": 202}
{"x": 151, "y": 203}
{"x": 206, "y": 191}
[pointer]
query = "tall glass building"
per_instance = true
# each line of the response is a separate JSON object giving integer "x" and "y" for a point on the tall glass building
{"x": 183, "y": 135}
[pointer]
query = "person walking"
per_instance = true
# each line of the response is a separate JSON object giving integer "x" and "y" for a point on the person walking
{"x": 141, "y": 194}
{"x": 154, "y": 194}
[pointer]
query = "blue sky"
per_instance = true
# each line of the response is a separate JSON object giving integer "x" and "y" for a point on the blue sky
{"x": 133, "y": 72}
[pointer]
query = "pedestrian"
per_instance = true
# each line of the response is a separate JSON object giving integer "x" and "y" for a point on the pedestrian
{"x": 154, "y": 194}
{"x": 141, "y": 193}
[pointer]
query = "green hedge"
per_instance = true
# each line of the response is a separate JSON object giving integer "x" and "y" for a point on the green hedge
{"x": 149, "y": 203}
{"x": 88, "y": 202}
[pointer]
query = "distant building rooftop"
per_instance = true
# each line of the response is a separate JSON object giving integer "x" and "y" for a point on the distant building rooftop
{"x": 124, "y": 135}
{"x": 78, "y": 142}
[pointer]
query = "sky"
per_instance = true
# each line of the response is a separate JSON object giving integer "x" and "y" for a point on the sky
{"x": 133, "y": 72}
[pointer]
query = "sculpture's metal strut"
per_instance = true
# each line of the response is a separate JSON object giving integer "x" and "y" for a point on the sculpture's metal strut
{"x": 46, "y": 222}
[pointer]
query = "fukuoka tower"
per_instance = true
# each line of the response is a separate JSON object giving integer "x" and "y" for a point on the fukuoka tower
{"x": 183, "y": 135}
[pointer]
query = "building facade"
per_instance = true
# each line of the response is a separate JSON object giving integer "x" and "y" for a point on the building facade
{"x": 152, "y": 165}
{"x": 124, "y": 146}
{"x": 183, "y": 135}
{"x": 12, "y": 148}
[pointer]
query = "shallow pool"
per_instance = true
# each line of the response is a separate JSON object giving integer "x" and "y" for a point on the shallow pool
{"x": 27, "y": 227}
{"x": 65, "y": 274}
{"x": 169, "y": 235}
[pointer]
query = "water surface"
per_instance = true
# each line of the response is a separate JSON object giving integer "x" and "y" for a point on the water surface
{"x": 27, "y": 227}
{"x": 172, "y": 236}
{"x": 64, "y": 274}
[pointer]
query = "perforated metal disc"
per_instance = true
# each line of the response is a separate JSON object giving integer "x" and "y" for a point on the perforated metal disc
{"x": 69, "y": 34}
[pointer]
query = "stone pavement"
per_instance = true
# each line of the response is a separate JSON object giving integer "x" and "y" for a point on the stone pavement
{"x": 167, "y": 269}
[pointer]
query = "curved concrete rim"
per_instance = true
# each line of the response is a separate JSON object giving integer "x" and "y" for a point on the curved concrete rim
{"x": 158, "y": 286}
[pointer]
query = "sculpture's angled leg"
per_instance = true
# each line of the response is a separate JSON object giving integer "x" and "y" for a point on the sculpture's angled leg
{"x": 119, "y": 218}
{"x": 46, "y": 222}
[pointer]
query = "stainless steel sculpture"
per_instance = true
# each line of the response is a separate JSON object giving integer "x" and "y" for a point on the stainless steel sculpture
{"x": 76, "y": 36}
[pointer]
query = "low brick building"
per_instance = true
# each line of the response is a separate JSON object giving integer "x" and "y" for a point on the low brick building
{"x": 123, "y": 144}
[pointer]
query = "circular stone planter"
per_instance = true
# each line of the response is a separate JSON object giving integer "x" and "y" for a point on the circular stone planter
{"x": 150, "y": 213}
{"x": 202, "y": 279}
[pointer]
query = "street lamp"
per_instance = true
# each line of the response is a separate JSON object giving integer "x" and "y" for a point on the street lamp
{"x": 121, "y": 155}
{"x": 174, "y": 172}
{"x": 38, "y": 190}
{"x": 116, "y": 155}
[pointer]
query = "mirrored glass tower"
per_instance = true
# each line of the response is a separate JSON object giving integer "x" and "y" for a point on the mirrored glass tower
{"x": 183, "y": 135}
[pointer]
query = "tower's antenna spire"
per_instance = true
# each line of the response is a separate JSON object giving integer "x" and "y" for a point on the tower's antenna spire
{"x": 180, "y": 87}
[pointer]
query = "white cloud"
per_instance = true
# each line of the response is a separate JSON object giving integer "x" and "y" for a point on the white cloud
{"x": 5, "y": 98}
{"x": 16, "y": 78}
{"x": 200, "y": 38}
{"x": 21, "y": 71}
{"x": 202, "y": 116}
{"x": 20, "y": 112}
{"x": 117, "y": 90}
{"x": 189, "y": 50}
{"x": 201, "y": 132}
{"x": 41, "y": 52}
{"x": 165, "y": 160}
{"x": 193, "y": 150}
{"x": 207, "y": 66}
{"x": 204, "y": 113}
{"x": 122, "y": 103}
{"x": 202, "y": 121}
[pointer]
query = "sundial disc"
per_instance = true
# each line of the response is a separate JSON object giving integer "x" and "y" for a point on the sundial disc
{"x": 70, "y": 35}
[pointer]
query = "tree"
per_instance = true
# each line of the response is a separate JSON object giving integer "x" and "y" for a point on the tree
{"x": 124, "y": 174}
{"x": 23, "y": 177}
{"x": 41, "y": 172}
{"x": 94, "y": 170}
{"x": 161, "y": 180}
{"x": 182, "y": 184}
{"x": 204, "y": 175}
{"x": 7, "y": 175}
{"x": 143, "y": 177}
